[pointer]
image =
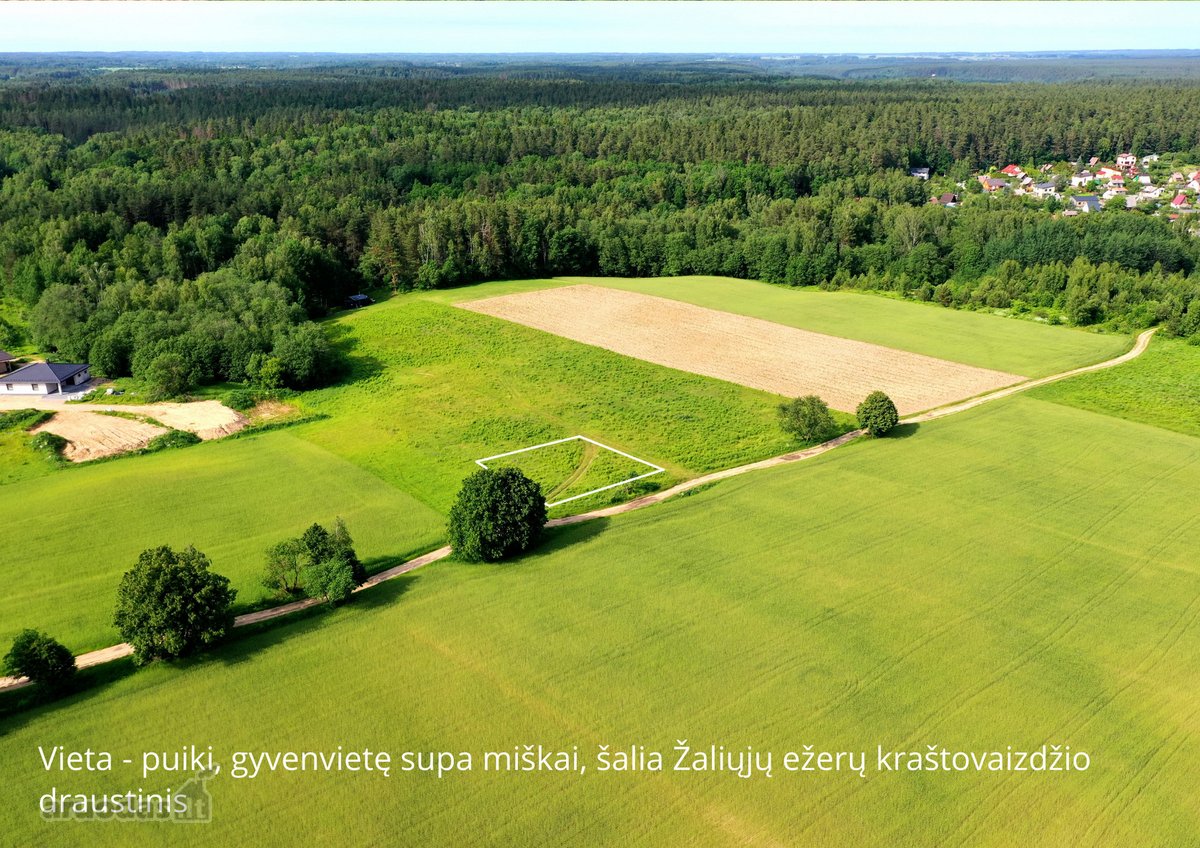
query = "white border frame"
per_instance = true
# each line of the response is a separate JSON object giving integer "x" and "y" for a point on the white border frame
{"x": 482, "y": 463}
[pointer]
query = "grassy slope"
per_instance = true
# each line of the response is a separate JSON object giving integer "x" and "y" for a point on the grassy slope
{"x": 999, "y": 578}
{"x": 1160, "y": 387}
{"x": 973, "y": 338}
{"x": 436, "y": 388}
{"x": 79, "y": 529}
{"x": 19, "y": 461}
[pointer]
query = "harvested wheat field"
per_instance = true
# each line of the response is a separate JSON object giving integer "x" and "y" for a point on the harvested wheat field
{"x": 91, "y": 435}
{"x": 750, "y": 351}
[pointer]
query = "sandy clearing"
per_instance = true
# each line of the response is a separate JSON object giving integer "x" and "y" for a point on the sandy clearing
{"x": 93, "y": 435}
{"x": 750, "y": 351}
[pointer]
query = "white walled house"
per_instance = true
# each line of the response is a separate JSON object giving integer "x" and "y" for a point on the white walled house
{"x": 44, "y": 378}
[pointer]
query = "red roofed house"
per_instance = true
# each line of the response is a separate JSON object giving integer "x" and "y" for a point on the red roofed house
{"x": 1109, "y": 173}
{"x": 1179, "y": 202}
{"x": 1012, "y": 171}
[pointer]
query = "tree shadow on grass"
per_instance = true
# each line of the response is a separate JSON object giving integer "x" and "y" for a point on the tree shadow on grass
{"x": 903, "y": 431}
{"x": 351, "y": 366}
{"x": 21, "y": 706}
{"x": 244, "y": 642}
{"x": 556, "y": 539}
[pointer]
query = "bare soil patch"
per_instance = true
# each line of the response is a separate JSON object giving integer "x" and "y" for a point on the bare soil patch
{"x": 756, "y": 353}
{"x": 91, "y": 435}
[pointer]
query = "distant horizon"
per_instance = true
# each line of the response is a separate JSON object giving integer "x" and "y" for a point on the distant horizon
{"x": 916, "y": 54}
{"x": 635, "y": 27}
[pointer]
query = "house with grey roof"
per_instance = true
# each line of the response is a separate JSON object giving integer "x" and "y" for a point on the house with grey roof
{"x": 7, "y": 362}
{"x": 44, "y": 378}
{"x": 1088, "y": 203}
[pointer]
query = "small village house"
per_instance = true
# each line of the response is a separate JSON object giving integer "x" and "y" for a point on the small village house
{"x": 7, "y": 362}
{"x": 1044, "y": 190}
{"x": 44, "y": 378}
{"x": 992, "y": 184}
{"x": 1086, "y": 203}
{"x": 1012, "y": 171}
{"x": 1126, "y": 161}
{"x": 1082, "y": 178}
{"x": 919, "y": 173}
{"x": 1180, "y": 201}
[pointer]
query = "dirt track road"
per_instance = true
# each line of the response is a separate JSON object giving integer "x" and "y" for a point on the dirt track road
{"x": 1139, "y": 347}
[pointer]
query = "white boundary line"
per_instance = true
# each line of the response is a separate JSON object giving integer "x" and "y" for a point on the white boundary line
{"x": 482, "y": 463}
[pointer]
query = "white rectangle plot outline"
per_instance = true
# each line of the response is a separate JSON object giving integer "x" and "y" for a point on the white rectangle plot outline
{"x": 482, "y": 463}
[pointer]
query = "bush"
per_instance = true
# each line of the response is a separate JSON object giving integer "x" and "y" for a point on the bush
{"x": 321, "y": 563}
{"x": 172, "y": 439}
{"x": 807, "y": 419}
{"x": 331, "y": 579}
{"x": 242, "y": 399}
{"x": 498, "y": 512}
{"x": 877, "y": 414}
{"x": 23, "y": 419}
{"x": 166, "y": 376}
{"x": 50, "y": 444}
{"x": 170, "y": 604}
{"x": 45, "y": 661}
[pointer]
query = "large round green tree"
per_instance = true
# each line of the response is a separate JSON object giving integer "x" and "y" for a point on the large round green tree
{"x": 499, "y": 512}
{"x": 877, "y": 414}
{"x": 806, "y": 418}
{"x": 170, "y": 604}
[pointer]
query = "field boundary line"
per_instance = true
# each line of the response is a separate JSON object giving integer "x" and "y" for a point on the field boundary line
{"x": 1142, "y": 341}
{"x": 655, "y": 469}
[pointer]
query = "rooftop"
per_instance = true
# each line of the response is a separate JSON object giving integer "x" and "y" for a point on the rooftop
{"x": 44, "y": 372}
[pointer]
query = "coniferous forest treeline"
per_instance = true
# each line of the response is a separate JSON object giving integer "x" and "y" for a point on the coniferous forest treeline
{"x": 201, "y": 220}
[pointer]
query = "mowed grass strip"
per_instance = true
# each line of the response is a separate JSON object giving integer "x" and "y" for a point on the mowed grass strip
{"x": 972, "y": 338}
{"x": 1017, "y": 575}
{"x": 1160, "y": 387}
{"x": 72, "y": 534}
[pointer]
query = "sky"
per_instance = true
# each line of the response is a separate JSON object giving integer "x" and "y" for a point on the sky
{"x": 581, "y": 27}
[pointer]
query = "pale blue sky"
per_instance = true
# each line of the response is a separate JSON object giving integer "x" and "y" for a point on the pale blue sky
{"x": 623, "y": 27}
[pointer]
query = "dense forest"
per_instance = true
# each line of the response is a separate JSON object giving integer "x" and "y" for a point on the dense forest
{"x": 199, "y": 221}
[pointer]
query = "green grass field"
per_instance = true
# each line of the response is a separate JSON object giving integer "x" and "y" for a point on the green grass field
{"x": 18, "y": 459}
{"x": 74, "y": 532}
{"x": 1160, "y": 387}
{"x": 972, "y": 338}
{"x": 1021, "y": 574}
{"x": 432, "y": 389}
{"x": 435, "y": 387}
